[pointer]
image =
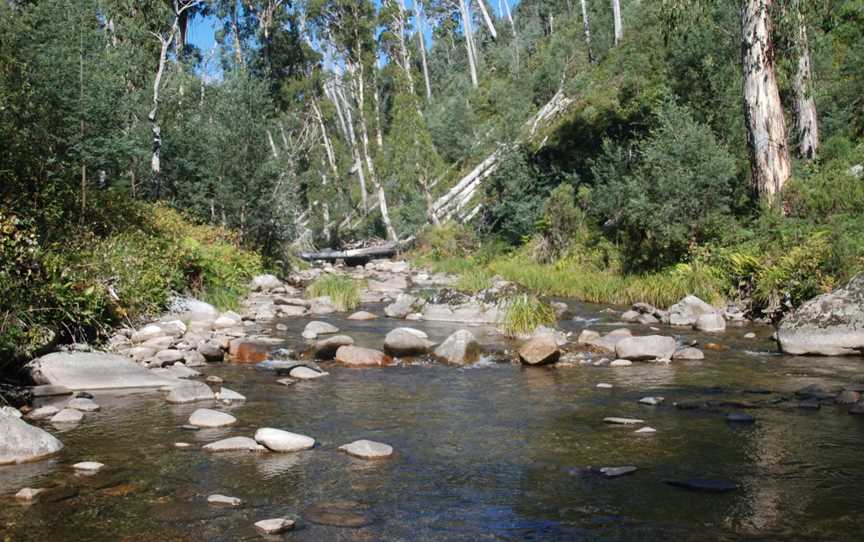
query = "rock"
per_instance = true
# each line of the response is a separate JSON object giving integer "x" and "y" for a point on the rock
{"x": 688, "y": 310}
{"x": 561, "y": 309}
{"x": 194, "y": 309}
{"x": 67, "y": 416}
{"x": 539, "y": 350}
{"x": 265, "y": 283}
{"x": 460, "y": 348}
{"x": 606, "y": 343}
{"x": 315, "y": 328}
{"x": 630, "y": 316}
{"x": 28, "y": 494}
{"x": 739, "y": 417}
{"x": 689, "y": 354}
{"x": 189, "y": 392}
{"x": 274, "y": 526}
{"x": 587, "y": 336}
{"x": 234, "y": 444}
{"x": 321, "y": 306}
{"x": 710, "y": 323}
{"x": 11, "y": 411}
{"x": 604, "y": 386}
{"x": 750, "y": 335}
{"x": 93, "y": 371}
{"x": 223, "y": 500}
{"x": 146, "y": 333}
{"x": 645, "y": 431}
{"x": 168, "y": 357}
{"x": 193, "y": 358}
{"x": 212, "y": 351}
{"x": 140, "y": 353}
{"x": 857, "y": 171}
{"x": 88, "y": 466}
{"x": 277, "y": 440}
{"x": 810, "y": 404}
{"x": 227, "y": 320}
{"x": 390, "y": 285}
{"x": 248, "y": 351}
{"x": 287, "y": 381}
{"x": 160, "y": 343}
{"x": 339, "y": 514}
{"x": 621, "y": 363}
{"x": 615, "y": 472}
{"x": 647, "y": 320}
{"x": 42, "y": 413}
{"x": 467, "y": 313}
{"x": 326, "y": 349}
{"x": 622, "y": 421}
{"x": 814, "y": 391}
{"x": 204, "y": 417}
{"x": 829, "y": 325}
{"x": 305, "y": 373}
{"x": 704, "y": 485}
{"x": 857, "y": 409}
{"x": 652, "y": 347}
{"x": 230, "y": 396}
{"x": 367, "y": 449}
{"x": 714, "y": 347}
{"x": 23, "y": 443}
{"x": 362, "y": 315}
{"x": 173, "y": 328}
{"x": 183, "y": 445}
{"x": 265, "y": 314}
{"x": 405, "y": 341}
{"x": 82, "y": 404}
{"x": 404, "y": 305}
{"x": 847, "y": 397}
{"x": 651, "y": 401}
{"x": 356, "y": 356}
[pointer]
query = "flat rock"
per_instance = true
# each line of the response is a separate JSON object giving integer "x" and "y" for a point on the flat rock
{"x": 234, "y": 444}
{"x": 460, "y": 348}
{"x": 362, "y": 315}
{"x": 224, "y": 500}
{"x": 190, "y": 392}
{"x": 652, "y": 347}
{"x": 651, "y": 401}
{"x": 305, "y": 373}
{"x": 355, "y": 356}
{"x": 28, "y": 494}
{"x": 689, "y": 354}
{"x": 204, "y": 417}
{"x": 615, "y": 472}
{"x": 88, "y": 466}
{"x": 230, "y": 396}
{"x": 93, "y": 371}
{"x": 367, "y": 449}
{"x": 705, "y": 485}
{"x": 42, "y": 413}
{"x": 274, "y": 526}
{"x": 23, "y": 443}
{"x": 315, "y": 328}
{"x": 82, "y": 404}
{"x": 622, "y": 421}
{"x": 67, "y": 416}
{"x": 277, "y": 440}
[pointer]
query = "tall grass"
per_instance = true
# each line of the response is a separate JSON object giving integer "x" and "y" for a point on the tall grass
{"x": 523, "y": 313}
{"x": 343, "y": 291}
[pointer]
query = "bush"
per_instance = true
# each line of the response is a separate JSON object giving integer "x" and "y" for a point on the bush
{"x": 343, "y": 291}
{"x": 561, "y": 225}
{"x": 667, "y": 193}
{"x": 449, "y": 240}
{"x": 523, "y": 313}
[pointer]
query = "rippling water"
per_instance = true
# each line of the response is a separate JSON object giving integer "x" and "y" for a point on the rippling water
{"x": 493, "y": 452}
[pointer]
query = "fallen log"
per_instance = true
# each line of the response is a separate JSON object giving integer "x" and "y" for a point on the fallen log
{"x": 357, "y": 255}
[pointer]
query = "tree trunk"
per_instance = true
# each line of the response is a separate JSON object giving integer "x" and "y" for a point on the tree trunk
{"x": 506, "y": 9}
{"x": 403, "y": 48}
{"x": 763, "y": 112}
{"x": 489, "y": 24}
{"x": 235, "y": 32}
{"x": 338, "y": 96}
{"x": 469, "y": 42}
{"x": 807, "y": 125}
{"x": 619, "y": 23}
{"x": 155, "y": 129}
{"x": 420, "y": 16}
{"x": 586, "y": 25}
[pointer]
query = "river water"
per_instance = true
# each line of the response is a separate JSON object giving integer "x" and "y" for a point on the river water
{"x": 490, "y": 452}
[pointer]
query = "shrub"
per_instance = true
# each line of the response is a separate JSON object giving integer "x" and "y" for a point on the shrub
{"x": 449, "y": 240}
{"x": 523, "y": 313}
{"x": 343, "y": 291}
{"x": 561, "y": 225}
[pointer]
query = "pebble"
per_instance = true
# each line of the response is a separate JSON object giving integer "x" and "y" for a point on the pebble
{"x": 623, "y": 421}
{"x": 604, "y": 386}
{"x": 651, "y": 401}
{"x": 223, "y": 500}
{"x": 645, "y": 431}
{"x": 367, "y": 449}
{"x": 182, "y": 444}
{"x": 88, "y": 466}
{"x": 750, "y": 335}
{"x": 274, "y": 526}
{"x": 614, "y": 472}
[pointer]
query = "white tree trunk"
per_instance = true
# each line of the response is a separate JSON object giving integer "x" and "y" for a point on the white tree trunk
{"x": 235, "y": 32}
{"x": 419, "y": 14}
{"x": 403, "y": 47}
{"x": 807, "y": 123}
{"x": 469, "y": 42}
{"x": 586, "y": 25}
{"x": 763, "y": 112}
{"x": 505, "y": 4}
{"x": 337, "y": 97}
{"x": 619, "y": 23}
{"x": 489, "y": 24}
{"x": 155, "y": 129}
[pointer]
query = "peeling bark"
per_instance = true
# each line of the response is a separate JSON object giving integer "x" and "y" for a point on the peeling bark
{"x": 619, "y": 22}
{"x": 586, "y": 25}
{"x": 489, "y": 24}
{"x": 469, "y": 42}
{"x": 807, "y": 122}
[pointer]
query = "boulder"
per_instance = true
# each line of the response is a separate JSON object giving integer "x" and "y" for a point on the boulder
{"x": 367, "y": 449}
{"x": 169, "y": 357}
{"x": 22, "y": 443}
{"x": 93, "y": 371}
{"x": 467, "y": 313}
{"x": 140, "y": 353}
{"x": 539, "y": 350}
{"x": 234, "y": 444}
{"x": 404, "y": 305}
{"x": 460, "y": 348}
{"x": 265, "y": 283}
{"x": 67, "y": 416}
{"x": 710, "y": 323}
{"x": 355, "y": 356}
{"x": 193, "y": 358}
{"x": 204, "y": 417}
{"x": 146, "y": 333}
{"x": 652, "y": 347}
{"x": 190, "y": 392}
{"x": 212, "y": 351}
{"x": 317, "y": 327}
{"x": 277, "y": 440}
{"x": 686, "y": 311}
{"x": 606, "y": 343}
{"x": 630, "y": 316}
{"x": 828, "y": 325}
{"x": 405, "y": 341}
{"x": 326, "y": 349}
{"x": 689, "y": 354}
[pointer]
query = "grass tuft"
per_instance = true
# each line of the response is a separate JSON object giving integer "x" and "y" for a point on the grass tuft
{"x": 343, "y": 291}
{"x": 523, "y": 313}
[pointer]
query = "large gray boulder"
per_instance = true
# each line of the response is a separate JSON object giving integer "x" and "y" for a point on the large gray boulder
{"x": 539, "y": 350}
{"x": 688, "y": 310}
{"x": 93, "y": 371}
{"x": 460, "y": 348}
{"x": 22, "y": 443}
{"x": 404, "y": 305}
{"x": 404, "y": 341}
{"x": 710, "y": 323}
{"x": 828, "y": 325}
{"x": 265, "y": 283}
{"x": 652, "y": 347}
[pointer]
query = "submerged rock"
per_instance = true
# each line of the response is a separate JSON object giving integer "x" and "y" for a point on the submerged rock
{"x": 23, "y": 443}
{"x": 204, "y": 417}
{"x": 829, "y": 325}
{"x": 689, "y": 354}
{"x": 652, "y": 347}
{"x": 339, "y": 514}
{"x": 367, "y": 449}
{"x": 190, "y": 392}
{"x": 356, "y": 356}
{"x": 704, "y": 485}
{"x": 274, "y": 526}
{"x": 460, "y": 348}
{"x": 234, "y": 444}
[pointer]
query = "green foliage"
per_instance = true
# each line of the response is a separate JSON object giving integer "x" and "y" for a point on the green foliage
{"x": 523, "y": 313}
{"x": 343, "y": 291}
{"x": 561, "y": 225}
{"x": 450, "y": 240}
{"x": 474, "y": 280}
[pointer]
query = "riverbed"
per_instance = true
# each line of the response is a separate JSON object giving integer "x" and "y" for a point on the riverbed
{"x": 494, "y": 451}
